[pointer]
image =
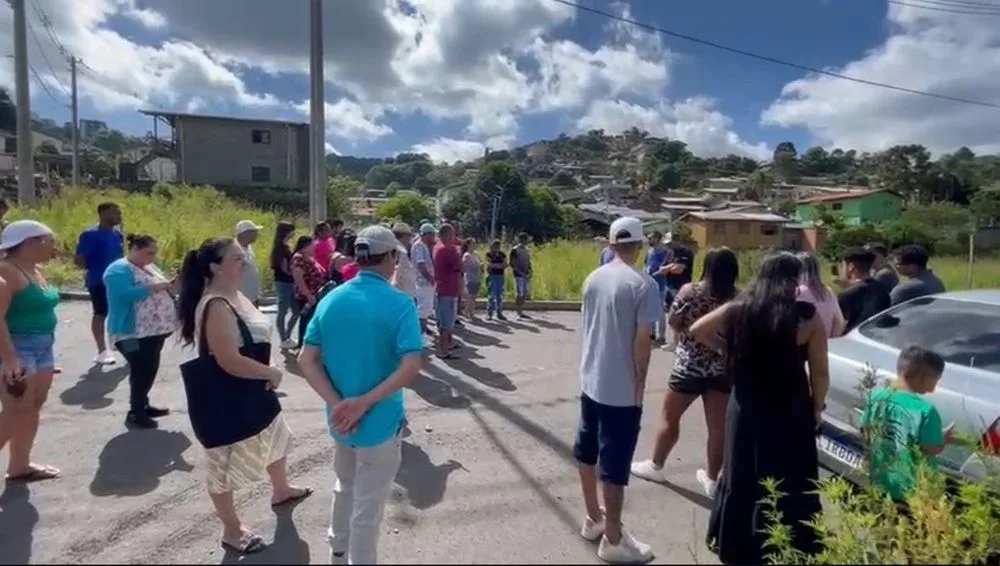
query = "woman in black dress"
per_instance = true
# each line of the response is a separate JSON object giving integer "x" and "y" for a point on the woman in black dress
{"x": 768, "y": 337}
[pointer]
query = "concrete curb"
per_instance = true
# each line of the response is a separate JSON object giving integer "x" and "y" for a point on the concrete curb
{"x": 271, "y": 300}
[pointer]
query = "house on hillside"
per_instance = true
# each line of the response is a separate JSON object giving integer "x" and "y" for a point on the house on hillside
{"x": 218, "y": 150}
{"x": 857, "y": 207}
{"x": 738, "y": 229}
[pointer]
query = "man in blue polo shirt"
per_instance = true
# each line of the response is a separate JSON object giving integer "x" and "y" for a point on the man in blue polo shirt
{"x": 362, "y": 347}
{"x": 97, "y": 248}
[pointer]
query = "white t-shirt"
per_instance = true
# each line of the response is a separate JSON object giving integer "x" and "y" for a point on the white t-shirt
{"x": 406, "y": 275}
{"x": 421, "y": 254}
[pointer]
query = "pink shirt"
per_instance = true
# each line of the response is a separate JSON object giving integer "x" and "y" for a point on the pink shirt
{"x": 828, "y": 310}
{"x": 350, "y": 271}
{"x": 323, "y": 251}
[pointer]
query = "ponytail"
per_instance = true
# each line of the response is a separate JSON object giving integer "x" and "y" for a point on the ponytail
{"x": 195, "y": 275}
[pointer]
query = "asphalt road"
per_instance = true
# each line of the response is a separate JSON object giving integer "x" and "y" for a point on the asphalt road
{"x": 487, "y": 476}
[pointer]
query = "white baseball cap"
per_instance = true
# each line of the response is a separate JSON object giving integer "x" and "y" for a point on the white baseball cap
{"x": 20, "y": 230}
{"x": 246, "y": 226}
{"x": 375, "y": 240}
{"x": 625, "y": 230}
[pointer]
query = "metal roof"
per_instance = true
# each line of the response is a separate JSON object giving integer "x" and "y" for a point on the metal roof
{"x": 738, "y": 215}
{"x": 172, "y": 117}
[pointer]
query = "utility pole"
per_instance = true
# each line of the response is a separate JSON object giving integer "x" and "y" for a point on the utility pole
{"x": 317, "y": 118}
{"x": 76, "y": 123}
{"x": 25, "y": 154}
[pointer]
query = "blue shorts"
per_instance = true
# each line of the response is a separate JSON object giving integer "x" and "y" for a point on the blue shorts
{"x": 36, "y": 351}
{"x": 445, "y": 311}
{"x": 522, "y": 286}
{"x": 607, "y": 436}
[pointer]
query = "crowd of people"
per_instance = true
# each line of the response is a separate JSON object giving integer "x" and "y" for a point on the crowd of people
{"x": 756, "y": 358}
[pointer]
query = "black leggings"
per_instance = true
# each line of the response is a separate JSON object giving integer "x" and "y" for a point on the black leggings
{"x": 305, "y": 315}
{"x": 143, "y": 357}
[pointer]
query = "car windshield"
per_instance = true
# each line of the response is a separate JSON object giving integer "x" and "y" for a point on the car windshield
{"x": 964, "y": 332}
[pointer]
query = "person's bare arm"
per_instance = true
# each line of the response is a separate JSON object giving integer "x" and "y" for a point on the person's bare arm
{"x": 222, "y": 337}
{"x": 311, "y": 366}
{"x": 819, "y": 366}
{"x": 641, "y": 351}
{"x": 300, "y": 282}
{"x": 7, "y": 352}
{"x": 839, "y": 322}
{"x": 676, "y": 317}
{"x": 707, "y": 328}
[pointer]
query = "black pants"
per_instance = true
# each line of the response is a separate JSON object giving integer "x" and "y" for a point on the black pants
{"x": 143, "y": 357}
{"x": 305, "y": 315}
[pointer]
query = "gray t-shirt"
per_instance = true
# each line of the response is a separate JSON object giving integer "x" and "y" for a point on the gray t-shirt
{"x": 887, "y": 277}
{"x": 617, "y": 301}
{"x": 251, "y": 277}
{"x": 924, "y": 284}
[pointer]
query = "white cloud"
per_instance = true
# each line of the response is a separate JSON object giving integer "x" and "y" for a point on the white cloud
{"x": 448, "y": 150}
{"x": 695, "y": 121}
{"x": 949, "y": 54}
{"x": 346, "y": 119}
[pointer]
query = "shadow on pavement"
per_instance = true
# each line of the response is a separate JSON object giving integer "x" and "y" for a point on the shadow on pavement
{"x": 552, "y": 325}
{"x": 425, "y": 482}
{"x": 692, "y": 496}
{"x": 287, "y": 547}
{"x": 92, "y": 390}
{"x": 17, "y": 521}
{"x": 132, "y": 462}
{"x": 438, "y": 393}
{"x": 520, "y": 325}
{"x": 479, "y": 339}
{"x": 486, "y": 376}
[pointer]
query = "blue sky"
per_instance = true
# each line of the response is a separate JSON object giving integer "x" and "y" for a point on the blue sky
{"x": 467, "y": 73}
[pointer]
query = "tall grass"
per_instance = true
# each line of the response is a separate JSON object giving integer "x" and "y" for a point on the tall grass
{"x": 182, "y": 217}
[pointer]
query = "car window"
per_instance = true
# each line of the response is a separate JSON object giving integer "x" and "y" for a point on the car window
{"x": 964, "y": 333}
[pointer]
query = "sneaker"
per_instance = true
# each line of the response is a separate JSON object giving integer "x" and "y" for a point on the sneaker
{"x": 501, "y": 318}
{"x": 140, "y": 420}
{"x": 669, "y": 347}
{"x": 157, "y": 412}
{"x": 627, "y": 551}
{"x": 707, "y": 483}
{"x": 648, "y": 471}
{"x": 105, "y": 358}
{"x": 288, "y": 344}
{"x": 338, "y": 557}
{"x": 592, "y": 530}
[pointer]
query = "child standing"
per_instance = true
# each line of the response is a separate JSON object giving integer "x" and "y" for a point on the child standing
{"x": 904, "y": 428}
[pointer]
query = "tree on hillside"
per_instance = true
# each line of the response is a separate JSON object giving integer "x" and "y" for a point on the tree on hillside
{"x": 338, "y": 191}
{"x": 112, "y": 141}
{"x": 8, "y": 112}
{"x": 667, "y": 178}
{"x": 904, "y": 169}
{"x": 786, "y": 163}
{"x": 563, "y": 179}
{"x": 409, "y": 208}
{"x": 985, "y": 206}
{"x": 759, "y": 185}
{"x": 48, "y": 148}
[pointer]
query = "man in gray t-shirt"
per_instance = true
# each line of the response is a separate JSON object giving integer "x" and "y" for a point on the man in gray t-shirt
{"x": 920, "y": 280}
{"x": 884, "y": 273}
{"x": 620, "y": 305}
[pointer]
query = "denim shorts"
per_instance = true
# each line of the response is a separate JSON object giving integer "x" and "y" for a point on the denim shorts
{"x": 522, "y": 286}
{"x": 36, "y": 351}
{"x": 607, "y": 436}
{"x": 445, "y": 311}
{"x": 473, "y": 288}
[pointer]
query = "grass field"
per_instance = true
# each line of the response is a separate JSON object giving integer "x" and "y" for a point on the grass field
{"x": 184, "y": 217}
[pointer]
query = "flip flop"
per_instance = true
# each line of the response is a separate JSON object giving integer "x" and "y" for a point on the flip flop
{"x": 306, "y": 492}
{"x": 249, "y": 544}
{"x": 38, "y": 474}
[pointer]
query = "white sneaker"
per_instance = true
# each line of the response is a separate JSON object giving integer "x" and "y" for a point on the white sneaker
{"x": 627, "y": 551}
{"x": 707, "y": 483}
{"x": 671, "y": 347}
{"x": 105, "y": 358}
{"x": 289, "y": 344}
{"x": 592, "y": 530}
{"x": 648, "y": 471}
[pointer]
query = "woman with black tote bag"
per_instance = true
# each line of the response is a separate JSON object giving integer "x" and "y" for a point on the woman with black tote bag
{"x": 230, "y": 386}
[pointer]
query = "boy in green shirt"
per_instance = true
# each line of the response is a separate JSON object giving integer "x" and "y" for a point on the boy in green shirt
{"x": 903, "y": 428}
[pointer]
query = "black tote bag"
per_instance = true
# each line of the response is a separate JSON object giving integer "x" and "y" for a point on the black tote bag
{"x": 225, "y": 409}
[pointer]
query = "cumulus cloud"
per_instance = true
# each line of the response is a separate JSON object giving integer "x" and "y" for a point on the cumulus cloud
{"x": 951, "y": 54}
{"x": 448, "y": 150}
{"x": 346, "y": 119}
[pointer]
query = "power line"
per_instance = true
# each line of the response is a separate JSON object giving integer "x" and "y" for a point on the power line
{"x": 106, "y": 82}
{"x": 947, "y": 8}
{"x": 41, "y": 50}
{"x": 964, "y": 3}
{"x": 776, "y": 61}
{"x": 47, "y": 24}
{"x": 45, "y": 87}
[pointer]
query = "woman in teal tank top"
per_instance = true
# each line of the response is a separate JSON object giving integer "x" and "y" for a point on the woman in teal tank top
{"x": 27, "y": 336}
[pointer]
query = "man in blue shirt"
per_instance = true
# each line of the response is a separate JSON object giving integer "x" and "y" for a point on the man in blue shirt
{"x": 658, "y": 257}
{"x": 97, "y": 248}
{"x": 362, "y": 347}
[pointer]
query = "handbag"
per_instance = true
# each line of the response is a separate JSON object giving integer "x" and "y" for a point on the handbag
{"x": 225, "y": 409}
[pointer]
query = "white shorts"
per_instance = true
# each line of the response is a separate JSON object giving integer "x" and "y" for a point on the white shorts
{"x": 425, "y": 301}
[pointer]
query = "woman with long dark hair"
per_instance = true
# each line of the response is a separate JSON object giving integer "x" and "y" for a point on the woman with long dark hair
{"x": 813, "y": 290}
{"x": 141, "y": 315}
{"x": 220, "y": 320}
{"x": 284, "y": 282}
{"x": 768, "y": 337}
{"x": 27, "y": 337}
{"x": 309, "y": 278}
{"x": 699, "y": 371}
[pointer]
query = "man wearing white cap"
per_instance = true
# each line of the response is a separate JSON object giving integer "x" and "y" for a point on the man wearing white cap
{"x": 247, "y": 233}
{"x": 620, "y": 306}
{"x": 405, "y": 278}
{"x": 359, "y": 369}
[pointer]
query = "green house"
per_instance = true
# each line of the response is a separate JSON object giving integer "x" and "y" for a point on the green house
{"x": 860, "y": 207}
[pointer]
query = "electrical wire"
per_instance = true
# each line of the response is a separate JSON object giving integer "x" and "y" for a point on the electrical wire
{"x": 774, "y": 60}
{"x": 106, "y": 82}
{"x": 964, "y": 4}
{"x": 47, "y": 24}
{"x": 948, "y": 10}
{"x": 48, "y": 63}
{"x": 45, "y": 87}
